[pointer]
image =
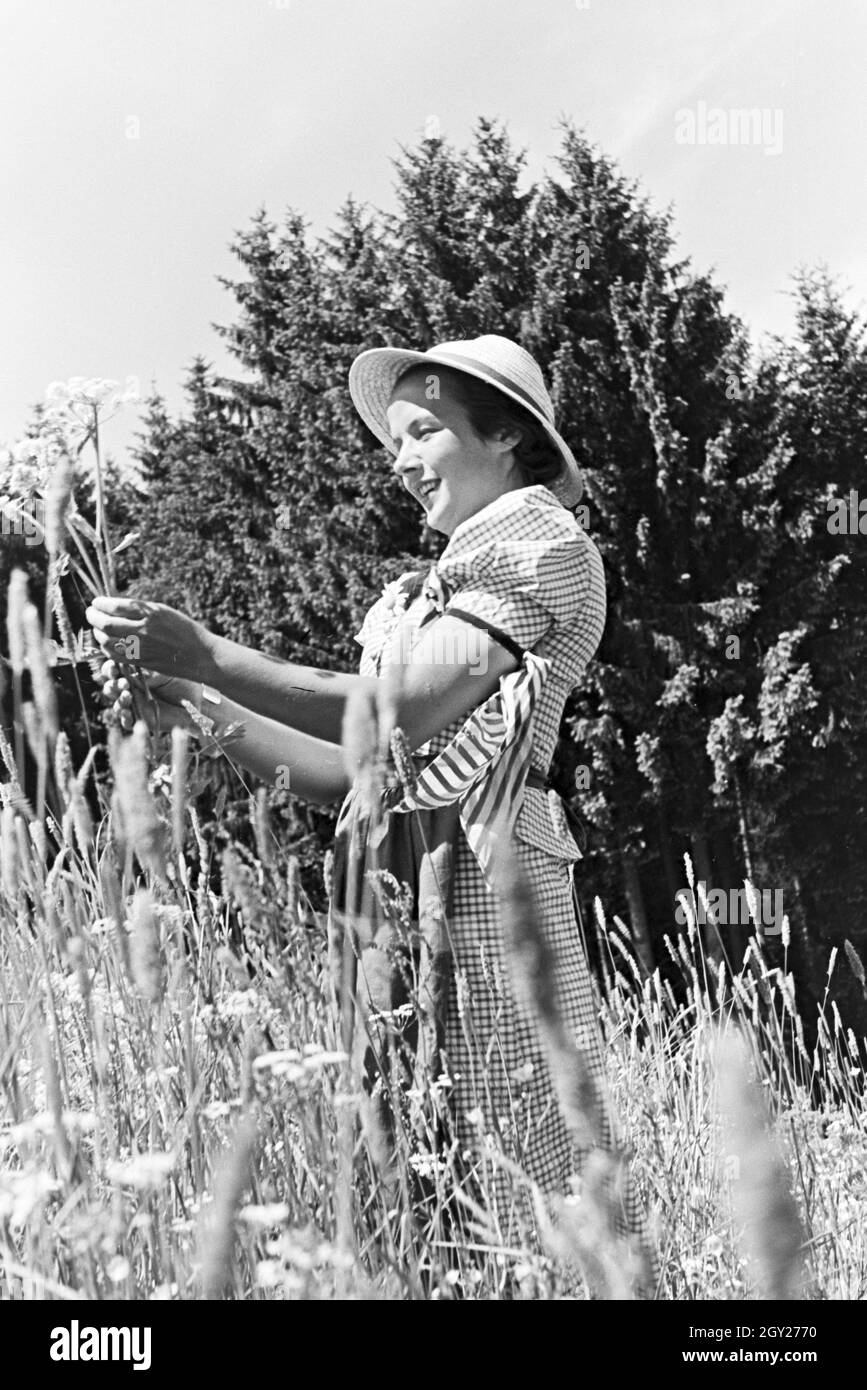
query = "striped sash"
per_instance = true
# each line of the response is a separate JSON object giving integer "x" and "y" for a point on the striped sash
{"x": 485, "y": 766}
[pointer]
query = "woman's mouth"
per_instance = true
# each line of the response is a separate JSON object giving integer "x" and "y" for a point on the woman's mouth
{"x": 426, "y": 490}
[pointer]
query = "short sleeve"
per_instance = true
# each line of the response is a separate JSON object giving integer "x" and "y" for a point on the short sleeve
{"x": 379, "y": 621}
{"x": 524, "y": 568}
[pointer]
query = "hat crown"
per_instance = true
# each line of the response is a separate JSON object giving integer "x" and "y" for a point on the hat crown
{"x": 506, "y": 359}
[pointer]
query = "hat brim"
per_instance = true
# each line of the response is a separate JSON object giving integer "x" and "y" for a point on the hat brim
{"x": 374, "y": 375}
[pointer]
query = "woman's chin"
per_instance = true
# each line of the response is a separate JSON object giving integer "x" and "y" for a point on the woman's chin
{"x": 439, "y": 517}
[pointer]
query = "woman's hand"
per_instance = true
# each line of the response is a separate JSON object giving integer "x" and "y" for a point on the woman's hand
{"x": 152, "y": 635}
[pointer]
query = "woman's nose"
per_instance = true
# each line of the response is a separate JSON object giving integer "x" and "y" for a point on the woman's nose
{"x": 406, "y": 460}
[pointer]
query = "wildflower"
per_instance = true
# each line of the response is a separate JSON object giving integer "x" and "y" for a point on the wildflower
{"x": 118, "y": 1269}
{"x": 22, "y": 1193}
{"x": 523, "y": 1073}
{"x": 264, "y": 1215}
{"x": 142, "y": 1171}
{"x": 91, "y": 391}
{"x": 217, "y": 1110}
{"x": 428, "y": 1165}
{"x": 394, "y": 596}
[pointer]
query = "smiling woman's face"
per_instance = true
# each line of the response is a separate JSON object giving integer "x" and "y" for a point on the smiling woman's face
{"x": 442, "y": 461}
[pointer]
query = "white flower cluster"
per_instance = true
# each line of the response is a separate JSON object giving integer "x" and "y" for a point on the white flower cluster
{"x": 21, "y": 1193}
{"x": 90, "y": 391}
{"x": 25, "y": 466}
{"x": 142, "y": 1170}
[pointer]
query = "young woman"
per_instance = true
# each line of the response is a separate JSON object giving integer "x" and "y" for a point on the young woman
{"x": 490, "y": 643}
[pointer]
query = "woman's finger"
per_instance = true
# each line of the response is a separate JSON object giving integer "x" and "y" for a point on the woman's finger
{"x": 129, "y": 608}
{"x": 119, "y": 649}
{"x": 113, "y": 626}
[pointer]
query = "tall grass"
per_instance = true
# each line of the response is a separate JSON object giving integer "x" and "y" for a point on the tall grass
{"x": 173, "y": 1094}
{"x": 179, "y": 1107}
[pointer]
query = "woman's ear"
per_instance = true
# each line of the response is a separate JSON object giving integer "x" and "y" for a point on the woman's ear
{"x": 506, "y": 438}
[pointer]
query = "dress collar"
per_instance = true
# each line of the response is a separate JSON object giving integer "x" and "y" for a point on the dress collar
{"x": 488, "y": 516}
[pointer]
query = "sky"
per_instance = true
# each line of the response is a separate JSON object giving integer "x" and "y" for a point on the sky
{"x": 137, "y": 136}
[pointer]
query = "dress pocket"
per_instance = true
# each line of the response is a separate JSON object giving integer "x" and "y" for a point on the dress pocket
{"x": 542, "y": 823}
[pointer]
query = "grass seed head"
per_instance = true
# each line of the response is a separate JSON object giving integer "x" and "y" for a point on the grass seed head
{"x": 360, "y": 740}
{"x": 403, "y": 762}
{"x": 140, "y": 823}
{"x": 180, "y": 755}
{"x": 58, "y": 497}
{"x": 44, "y": 695}
{"x": 16, "y": 603}
{"x": 145, "y": 956}
{"x": 218, "y": 1234}
{"x": 765, "y": 1210}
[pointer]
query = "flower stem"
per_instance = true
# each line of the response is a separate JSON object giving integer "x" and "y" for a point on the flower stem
{"x": 101, "y": 519}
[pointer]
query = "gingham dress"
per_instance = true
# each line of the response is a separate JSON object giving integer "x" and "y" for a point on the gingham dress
{"x": 524, "y": 566}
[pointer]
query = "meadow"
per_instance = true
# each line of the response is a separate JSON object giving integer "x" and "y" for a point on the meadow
{"x": 182, "y": 1117}
{"x": 180, "y": 1120}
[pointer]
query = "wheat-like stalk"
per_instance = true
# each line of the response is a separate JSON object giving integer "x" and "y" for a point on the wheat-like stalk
{"x": 58, "y": 498}
{"x": 139, "y": 822}
{"x": 765, "y": 1211}
{"x": 218, "y": 1234}
{"x": 145, "y": 955}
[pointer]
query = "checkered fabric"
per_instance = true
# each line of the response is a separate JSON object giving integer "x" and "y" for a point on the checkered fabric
{"x": 523, "y": 565}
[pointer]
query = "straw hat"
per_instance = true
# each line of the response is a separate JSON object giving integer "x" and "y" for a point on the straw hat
{"x": 498, "y": 361}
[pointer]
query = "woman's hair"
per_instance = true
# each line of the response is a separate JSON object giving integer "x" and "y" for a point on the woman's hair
{"x": 489, "y": 411}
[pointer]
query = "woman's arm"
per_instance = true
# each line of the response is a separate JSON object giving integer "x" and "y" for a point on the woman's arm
{"x": 308, "y": 767}
{"x": 451, "y": 669}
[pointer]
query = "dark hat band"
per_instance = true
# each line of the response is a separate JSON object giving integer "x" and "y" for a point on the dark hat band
{"x": 495, "y": 376}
